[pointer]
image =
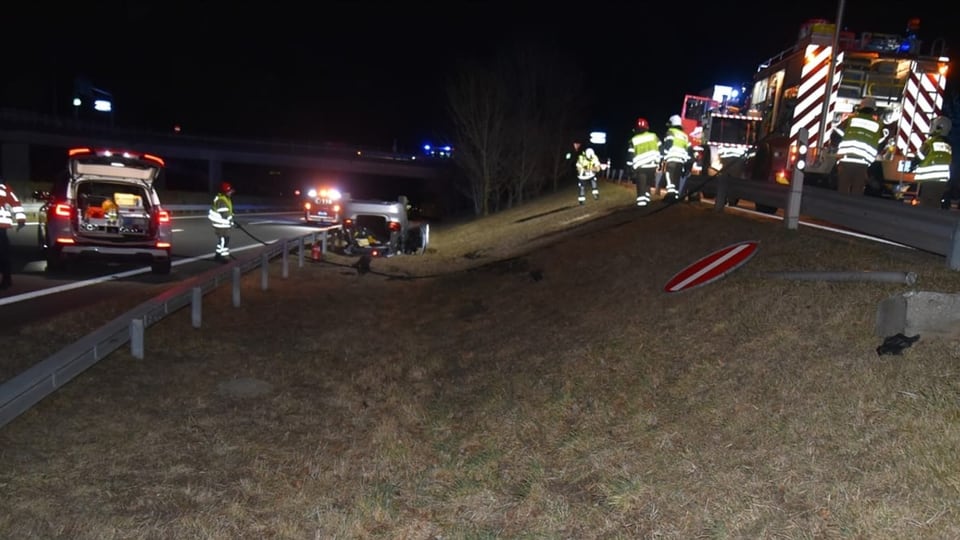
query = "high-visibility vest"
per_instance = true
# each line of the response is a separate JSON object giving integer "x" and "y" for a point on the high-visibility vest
{"x": 11, "y": 210}
{"x": 862, "y": 136}
{"x": 645, "y": 148}
{"x": 935, "y": 156}
{"x": 221, "y": 212}
{"x": 677, "y": 144}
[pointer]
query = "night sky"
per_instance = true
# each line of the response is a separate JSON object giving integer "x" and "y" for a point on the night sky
{"x": 375, "y": 73}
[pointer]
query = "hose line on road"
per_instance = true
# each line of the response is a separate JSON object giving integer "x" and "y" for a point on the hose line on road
{"x": 237, "y": 225}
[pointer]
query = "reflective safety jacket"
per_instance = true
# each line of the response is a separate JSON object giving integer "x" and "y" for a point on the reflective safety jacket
{"x": 861, "y": 138}
{"x": 676, "y": 146}
{"x": 587, "y": 167}
{"x": 644, "y": 150}
{"x": 935, "y": 155}
{"x": 11, "y": 210}
{"x": 221, "y": 212}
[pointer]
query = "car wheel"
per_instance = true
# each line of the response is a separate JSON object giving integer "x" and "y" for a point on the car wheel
{"x": 161, "y": 266}
{"x": 55, "y": 260}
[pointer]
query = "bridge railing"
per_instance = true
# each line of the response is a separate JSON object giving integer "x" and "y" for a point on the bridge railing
{"x": 42, "y": 122}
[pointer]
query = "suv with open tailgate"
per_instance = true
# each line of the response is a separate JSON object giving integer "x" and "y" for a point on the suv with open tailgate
{"x": 106, "y": 207}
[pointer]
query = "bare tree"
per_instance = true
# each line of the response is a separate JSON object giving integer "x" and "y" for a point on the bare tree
{"x": 548, "y": 101}
{"x": 477, "y": 107}
{"x": 512, "y": 123}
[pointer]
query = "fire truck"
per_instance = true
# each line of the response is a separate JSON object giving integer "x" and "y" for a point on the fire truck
{"x": 720, "y": 128}
{"x": 790, "y": 93}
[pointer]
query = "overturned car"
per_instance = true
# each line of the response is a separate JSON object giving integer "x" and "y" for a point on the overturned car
{"x": 381, "y": 229}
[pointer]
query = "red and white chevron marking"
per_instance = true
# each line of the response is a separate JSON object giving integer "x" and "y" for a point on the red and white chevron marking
{"x": 922, "y": 102}
{"x": 811, "y": 95}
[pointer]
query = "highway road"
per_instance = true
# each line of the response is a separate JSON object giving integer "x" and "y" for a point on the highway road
{"x": 37, "y": 295}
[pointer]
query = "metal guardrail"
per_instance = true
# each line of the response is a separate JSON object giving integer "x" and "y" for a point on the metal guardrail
{"x": 929, "y": 229}
{"x": 23, "y": 391}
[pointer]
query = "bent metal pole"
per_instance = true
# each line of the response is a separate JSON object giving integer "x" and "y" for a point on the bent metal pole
{"x": 909, "y": 278}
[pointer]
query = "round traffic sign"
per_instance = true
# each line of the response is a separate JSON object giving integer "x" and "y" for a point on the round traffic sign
{"x": 712, "y": 267}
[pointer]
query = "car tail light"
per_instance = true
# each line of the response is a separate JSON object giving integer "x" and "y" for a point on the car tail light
{"x": 62, "y": 210}
{"x": 156, "y": 159}
{"x": 65, "y": 240}
{"x": 348, "y": 222}
{"x": 393, "y": 226}
{"x": 163, "y": 216}
{"x": 163, "y": 245}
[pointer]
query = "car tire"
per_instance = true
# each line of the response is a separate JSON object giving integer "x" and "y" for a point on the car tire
{"x": 55, "y": 260}
{"x": 161, "y": 266}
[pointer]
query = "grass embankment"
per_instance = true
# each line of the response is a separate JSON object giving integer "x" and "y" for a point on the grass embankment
{"x": 538, "y": 386}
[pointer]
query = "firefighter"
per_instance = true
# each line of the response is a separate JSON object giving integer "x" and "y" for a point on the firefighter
{"x": 932, "y": 165}
{"x": 11, "y": 209}
{"x": 644, "y": 152}
{"x": 676, "y": 154}
{"x": 221, "y": 218}
{"x": 588, "y": 165}
{"x": 860, "y": 138}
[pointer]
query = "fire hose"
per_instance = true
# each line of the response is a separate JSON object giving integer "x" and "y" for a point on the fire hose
{"x": 239, "y": 226}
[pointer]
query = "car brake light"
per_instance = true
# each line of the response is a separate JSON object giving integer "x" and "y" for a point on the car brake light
{"x": 63, "y": 210}
{"x": 394, "y": 226}
{"x": 164, "y": 216}
{"x": 156, "y": 159}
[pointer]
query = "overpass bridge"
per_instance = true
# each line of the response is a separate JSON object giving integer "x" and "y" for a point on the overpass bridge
{"x": 21, "y": 130}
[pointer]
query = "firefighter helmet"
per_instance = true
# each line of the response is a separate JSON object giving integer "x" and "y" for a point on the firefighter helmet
{"x": 941, "y": 125}
{"x": 675, "y": 121}
{"x": 642, "y": 124}
{"x": 868, "y": 103}
{"x": 226, "y": 188}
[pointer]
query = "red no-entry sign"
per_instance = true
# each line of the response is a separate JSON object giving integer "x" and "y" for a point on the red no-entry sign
{"x": 712, "y": 267}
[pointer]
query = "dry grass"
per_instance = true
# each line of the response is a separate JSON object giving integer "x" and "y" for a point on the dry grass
{"x": 483, "y": 403}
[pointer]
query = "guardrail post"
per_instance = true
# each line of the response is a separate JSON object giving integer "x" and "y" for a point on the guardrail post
{"x": 264, "y": 271}
{"x": 323, "y": 242}
{"x": 791, "y": 214}
{"x": 283, "y": 259}
{"x": 136, "y": 338}
{"x": 723, "y": 186}
{"x": 953, "y": 252}
{"x": 196, "y": 306}
{"x": 300, "y": 252}
{"x": 236, "y": 286}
